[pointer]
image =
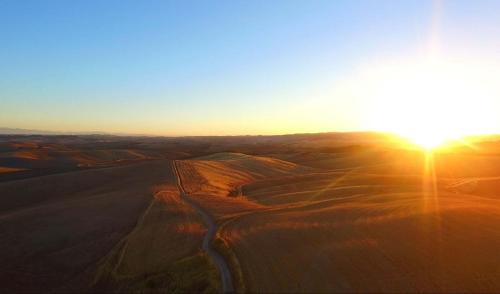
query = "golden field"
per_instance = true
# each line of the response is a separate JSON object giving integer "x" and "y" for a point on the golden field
{"x": 314, "y": 213}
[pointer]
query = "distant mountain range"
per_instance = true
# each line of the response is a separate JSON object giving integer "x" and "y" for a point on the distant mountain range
{"x": 16, "y": 131}
{"x": 340, "y": 136}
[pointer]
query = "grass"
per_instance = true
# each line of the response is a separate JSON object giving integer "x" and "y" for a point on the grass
{"x": 356, "y": 220}
{"x": 364, "y": 229}
{"x": 378, "y": 242}
{"x": 162, "y": 253}
{"x": 234, "y": 266}
{"x": 193, "y": 274}
{"x": 56, "y": 228}
{"x": 221, "y": 174}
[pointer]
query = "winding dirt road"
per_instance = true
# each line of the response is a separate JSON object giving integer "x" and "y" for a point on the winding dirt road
{"x": 220, "y": 262}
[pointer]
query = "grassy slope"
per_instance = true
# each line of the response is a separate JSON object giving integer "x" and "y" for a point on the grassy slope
{"x": 364, "y": 225}
{"x": 353, "y": 231}
{"x": 367, "y": 229}
{"x": 55, "y": 228}
{"x": 59, "y": 230}
{"x": 392, "y": 242}
{"x": 162, "y": 253}
{"x": 220, "y": 174}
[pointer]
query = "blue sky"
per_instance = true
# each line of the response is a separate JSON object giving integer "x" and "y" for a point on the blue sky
{"x": 211, "y": 67}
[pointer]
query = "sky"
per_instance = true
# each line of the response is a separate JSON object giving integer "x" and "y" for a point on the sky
{"x": 241, "y": 67}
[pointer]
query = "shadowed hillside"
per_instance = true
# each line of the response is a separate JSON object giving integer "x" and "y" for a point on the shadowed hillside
{"x": 117, "y": 226}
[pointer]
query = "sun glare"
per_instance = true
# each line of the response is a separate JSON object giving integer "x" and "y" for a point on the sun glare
{"x": 428, "y": 141}
{"x": 429, "y": 102}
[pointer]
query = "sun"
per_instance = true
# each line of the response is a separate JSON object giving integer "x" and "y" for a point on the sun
{"x": 428, "y": 141}
{"x": 429, "y": 138}
{"x": 429, "y": 102}
{"x": 429, "y": 127}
